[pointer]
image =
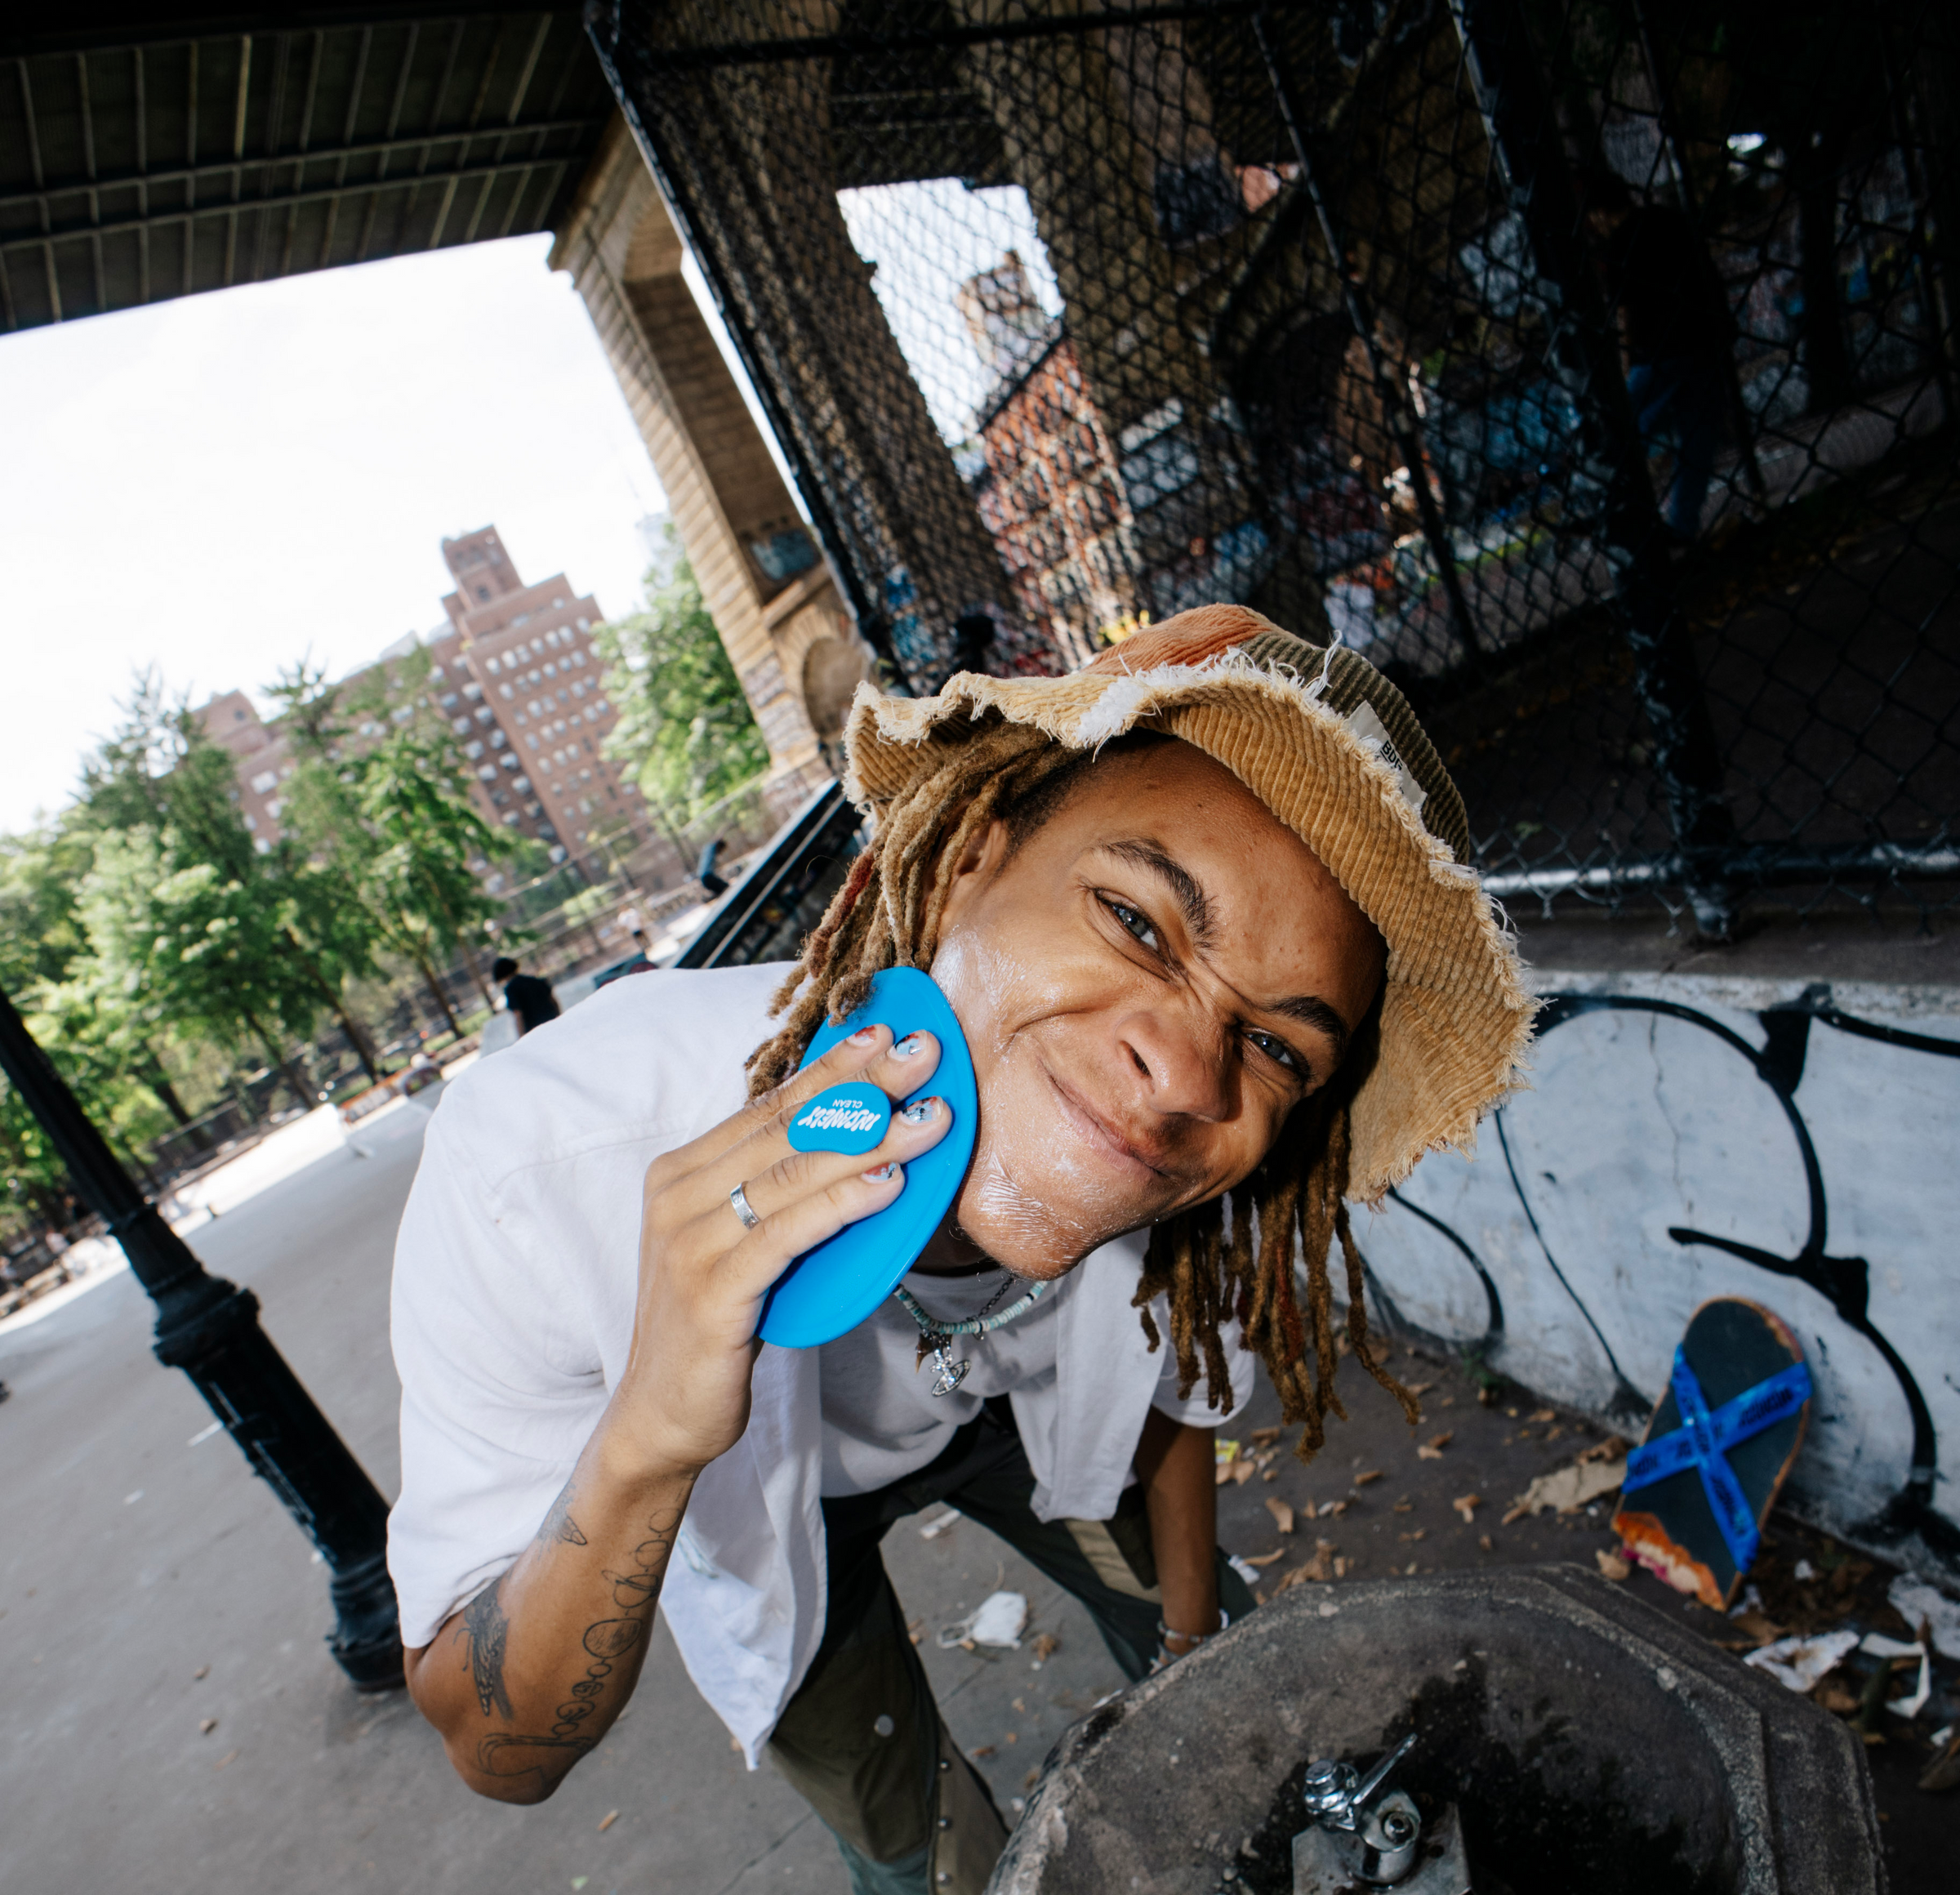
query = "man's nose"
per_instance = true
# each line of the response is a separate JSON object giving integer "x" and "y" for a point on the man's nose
{"x": 1178, "y": 1062}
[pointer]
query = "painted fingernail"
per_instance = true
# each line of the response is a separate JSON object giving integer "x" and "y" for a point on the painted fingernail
{"x": 864, "y": 1036}
{"x": 883, "y": 1174}
{"x": 909, "y": 1047}
{"x": 919, "y": 1111}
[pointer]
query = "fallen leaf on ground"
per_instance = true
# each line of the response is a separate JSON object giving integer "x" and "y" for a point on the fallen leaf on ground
{"x": 1611, "y": 1564}
{"x": 1282, "y": 1514}
{"x": 1542, "y": 1415}
{"x": 1046, "y": 1645}
{"x": 1011, "y": 1738}
{"x": 1222, "y": 1474}
{"x": 206, "y": 1725}
{"x": 1418, "y": 1388}
{"x": 1433, "y": 1448}
{"x": 1483, "y": 1540}
{"x": 1270, "y": 1473}
{"x": 1265, "y": 1436}
{"x": 1417, "y": 1535}
{"x": 607, "y": 1821}
{"x": 1318, "y": 1570}
{"x": 1340, "y": 1567}
{"x": 980, "y": 1750}
{"x": 1466, "y": 1505}
{"x": 1612, "y": 1448}
{"x": 1020, "y": 1706}
{"x": 1836, "y": 1697}
{"x": 1262, "y": 1461}
{"x": 1405, "y": 1505}
{"x": 202, "y": 1671}
{"x": 1333, "y": 1507}
{"x": 1267, "y": 1559}
{"x": 1944, "y": 1772}
{"x": 1373, "y": 1473}
{"x": 1516, "y": 1513}
{"x": 1553, "y": 1433}
{"x": 1031, "y": 1778}
{"x": 1242, "y": 1471}
{"x": 1763, "y": 1630}
{"x": 229, "y": 1757}
{"x": 1569, "y": 1488}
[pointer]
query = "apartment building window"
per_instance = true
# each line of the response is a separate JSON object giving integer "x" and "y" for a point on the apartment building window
{"x": 505, "y": 691}
{"x": 487, "y": 772}
{"x": 461, "y": 726}
{"x": 264, "y": 781}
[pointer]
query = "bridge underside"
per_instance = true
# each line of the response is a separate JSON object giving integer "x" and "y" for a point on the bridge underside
{"x": 148, "y": 154}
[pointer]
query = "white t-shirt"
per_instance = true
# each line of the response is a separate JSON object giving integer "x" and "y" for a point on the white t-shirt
{"x": 516, "y": 1274}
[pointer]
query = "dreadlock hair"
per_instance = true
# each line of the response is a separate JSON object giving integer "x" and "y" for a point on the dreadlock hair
{"x": 888, "y": 915}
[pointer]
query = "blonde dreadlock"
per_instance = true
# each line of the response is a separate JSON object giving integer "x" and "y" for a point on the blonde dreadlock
{"x": 888, "y": 915}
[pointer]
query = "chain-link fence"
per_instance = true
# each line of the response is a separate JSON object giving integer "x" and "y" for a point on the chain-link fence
{"x": 1588, "y": 364}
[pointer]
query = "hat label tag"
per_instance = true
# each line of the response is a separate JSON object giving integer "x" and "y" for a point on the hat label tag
{"x": 1366, "y": 724}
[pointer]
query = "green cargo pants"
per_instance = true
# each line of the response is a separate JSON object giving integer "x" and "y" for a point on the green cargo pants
{"x": 861, "y": 1740}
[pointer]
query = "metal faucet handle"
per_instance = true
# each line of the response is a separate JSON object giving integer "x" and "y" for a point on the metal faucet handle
{"x": 1334, "y": 1791}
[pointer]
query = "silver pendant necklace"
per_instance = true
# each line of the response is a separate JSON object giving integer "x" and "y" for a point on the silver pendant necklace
{"x": 936, "y": 1338}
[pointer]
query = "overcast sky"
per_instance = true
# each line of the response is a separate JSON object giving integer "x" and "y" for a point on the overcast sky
{"x": 221, "y": 485}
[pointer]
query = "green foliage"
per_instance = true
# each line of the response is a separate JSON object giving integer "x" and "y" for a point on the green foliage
{"x": 380, "y": 804}
{"x": 684, "y": 726}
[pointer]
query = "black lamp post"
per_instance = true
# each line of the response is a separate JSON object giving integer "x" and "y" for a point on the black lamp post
{"x": 210, "y": 1329}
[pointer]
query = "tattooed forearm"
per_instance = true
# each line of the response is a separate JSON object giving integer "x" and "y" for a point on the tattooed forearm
{"x": 487, "y": 1631}
{"x": 641, "y": 1586}
{"x": 559, "y": 1524}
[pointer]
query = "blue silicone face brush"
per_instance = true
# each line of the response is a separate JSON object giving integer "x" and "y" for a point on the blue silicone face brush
{"x": 835, "y": 1287}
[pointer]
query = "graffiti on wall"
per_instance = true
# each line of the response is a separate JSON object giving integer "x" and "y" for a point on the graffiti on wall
{"x": 1687, "y": 1138}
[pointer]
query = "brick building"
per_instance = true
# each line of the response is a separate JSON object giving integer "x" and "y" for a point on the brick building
{"x": 515, "y": 671}
{"x": 518, "y": 674}
{"x": 1050, "y": 490}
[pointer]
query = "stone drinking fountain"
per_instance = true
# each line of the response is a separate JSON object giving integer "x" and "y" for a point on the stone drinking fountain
{"x": 1567, "y": 1740}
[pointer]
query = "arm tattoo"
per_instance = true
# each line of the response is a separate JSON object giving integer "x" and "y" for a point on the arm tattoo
{"x": 606, "y": 1642}
{"x": 487, "y": 1629}
{"x": 559, "y": 1524}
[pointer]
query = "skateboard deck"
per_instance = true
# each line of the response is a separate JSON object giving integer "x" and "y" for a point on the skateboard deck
{"x": 1717, "y": 1450}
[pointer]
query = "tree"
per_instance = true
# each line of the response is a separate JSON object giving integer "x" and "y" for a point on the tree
{"x": 684, "y": 724}
{"x": 212, "y": 952}
{"x": 392, "y": 821}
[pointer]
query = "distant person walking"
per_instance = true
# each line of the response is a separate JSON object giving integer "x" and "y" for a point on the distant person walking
{"x": 631, "y": 920}
{"x": 1675, "y": 320}
{"x": 528, "y": 997}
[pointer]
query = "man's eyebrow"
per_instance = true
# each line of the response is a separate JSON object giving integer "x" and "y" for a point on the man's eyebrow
{"x": 1184, "y": 886}
{"x": 1310, "y": 1011}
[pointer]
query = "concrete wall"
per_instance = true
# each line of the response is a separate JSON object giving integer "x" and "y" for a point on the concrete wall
{"x": 1696, "y": 1136}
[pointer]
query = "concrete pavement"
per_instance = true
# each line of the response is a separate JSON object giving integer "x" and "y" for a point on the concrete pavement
{"x": 148, "y": 1583}
{"x": 133, "y": 1560}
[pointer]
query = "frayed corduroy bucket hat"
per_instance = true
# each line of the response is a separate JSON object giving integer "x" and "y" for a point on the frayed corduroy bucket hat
{"x": 1333, "y": 749}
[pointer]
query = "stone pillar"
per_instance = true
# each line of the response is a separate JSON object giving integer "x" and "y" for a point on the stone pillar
{"x": 788, "y": 635}
{"x": 748, "y": 152}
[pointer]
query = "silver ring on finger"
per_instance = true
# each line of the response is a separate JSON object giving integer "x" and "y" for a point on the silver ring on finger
{"x": 743, "y": 1209}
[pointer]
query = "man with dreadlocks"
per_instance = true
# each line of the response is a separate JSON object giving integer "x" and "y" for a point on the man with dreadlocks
{"x": 1202, "y": 912}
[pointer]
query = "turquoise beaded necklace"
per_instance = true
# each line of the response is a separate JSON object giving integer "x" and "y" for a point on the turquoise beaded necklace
{"x": 936, "y": 1338}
